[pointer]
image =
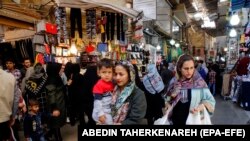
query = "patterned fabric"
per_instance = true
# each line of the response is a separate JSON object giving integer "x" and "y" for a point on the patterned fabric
{"x": 237, "y": 4}
{"x": 35, "y": 89}
{"x": 212, "y": 75}
{"x": 61, "y": 20}
{"x": 17, "y": 75}
{"x": 177, "y": 90}
{"x": 35, "y": 86}
{"x": 152, "y": 80}
{"x": 174, "y": 89}
{"x": 119, "y": 104}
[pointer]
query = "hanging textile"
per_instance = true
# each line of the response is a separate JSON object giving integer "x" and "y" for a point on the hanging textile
{"x": 24, "y": 49}
{"x": 179, "y": 50}
{"x": 118, "y": 26}
{"x": 76, "y": 17}
{"x": 174, "y": 53}
{"x": 6, "y": 51}
{"x": 107, "y": 30}
{"x": 112, "y": 28}
{"x": 169, "y": 55}
{"x": 238, "y": 4}
{"x": 91, "y": 23}
{"x": 102, "y": 26}
{"x": 62, "y": 34}
{"x": 122, "y": 29}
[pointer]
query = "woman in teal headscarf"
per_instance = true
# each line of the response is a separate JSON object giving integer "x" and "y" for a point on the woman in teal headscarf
{"x": 128, "y": 101}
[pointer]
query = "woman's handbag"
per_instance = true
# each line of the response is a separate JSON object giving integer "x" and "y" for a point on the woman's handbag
{"x": 200, "y": 118}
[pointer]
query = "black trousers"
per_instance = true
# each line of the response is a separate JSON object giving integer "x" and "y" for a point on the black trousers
{"x": 87, "y": 109}
{"x": 4, "y": 131}
{"x": 76, "y": 16}
{"x": 56, "y": 132}
{"x": 118, "y": 26}
{"x": 108, "y": 24}
{"x": 112, "y": 29}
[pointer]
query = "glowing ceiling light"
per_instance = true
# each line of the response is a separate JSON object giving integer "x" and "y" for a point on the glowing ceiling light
{"x": 177, "y": 45}
{"x": 73, "y": 49}
{"x": 172, "y": 41}
{"x": 158, "y": 47}
{"x": 235, "y": 20}
{"x": 232, "y": 33}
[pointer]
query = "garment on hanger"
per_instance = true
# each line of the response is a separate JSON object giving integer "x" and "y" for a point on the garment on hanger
{"x": 91, "y": 23}
{"x": 118, "y": 26}
{"x": 108, "y": 24}
{"x": 104, "y": 21}
{"x": 112, "y": 23}
{"x": 76, "y": 17}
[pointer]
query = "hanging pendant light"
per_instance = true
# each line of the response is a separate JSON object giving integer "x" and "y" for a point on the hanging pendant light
{"x": 235, "y": 20}
{"x": 232, "y": 33}
{"x": 172, "y": 41}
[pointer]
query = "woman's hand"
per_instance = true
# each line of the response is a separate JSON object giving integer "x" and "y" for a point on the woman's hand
{"x": 197, "y": 109}
{"x": 69, "y": 82}
{"x": 167, "y": 106}
{"x": 55, "y": 113}
{"x": 102, "y": 119}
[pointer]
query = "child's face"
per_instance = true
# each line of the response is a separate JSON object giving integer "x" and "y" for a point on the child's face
{"x": 106, "y": 74}
{"x": 34, "y": 108}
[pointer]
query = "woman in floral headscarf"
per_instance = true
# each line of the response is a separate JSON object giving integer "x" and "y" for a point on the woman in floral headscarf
{"x": 189, "y": 93}
{"x": 128, "y": 102}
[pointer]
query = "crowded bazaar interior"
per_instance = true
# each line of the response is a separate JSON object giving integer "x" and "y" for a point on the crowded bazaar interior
{"x": 157, "y": 37}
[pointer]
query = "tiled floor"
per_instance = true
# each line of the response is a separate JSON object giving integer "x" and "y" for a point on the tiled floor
{"x": 228, "y": 112}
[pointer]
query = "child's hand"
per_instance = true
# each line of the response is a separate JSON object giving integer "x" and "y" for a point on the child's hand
{"x": 24, "y": 109}
{"x": 117, "y": 124}
{"x": 28, "y": 139}
{"x": 21, "y": 105}
{"x": 102, "y": 119}
{"x": 55, "y": 113}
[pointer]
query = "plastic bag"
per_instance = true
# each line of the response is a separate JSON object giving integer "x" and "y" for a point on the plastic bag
{"x": 200, "y": 118}
{"x": 164, "y": 120}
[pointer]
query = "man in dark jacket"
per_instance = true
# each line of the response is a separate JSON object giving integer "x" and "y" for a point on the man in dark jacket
{"x": 166, "y": 74}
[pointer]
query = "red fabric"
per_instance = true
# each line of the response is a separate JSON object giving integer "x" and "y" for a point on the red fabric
{"x": 21, "y": 99}
{"x": 104, "y": 20}
{"x": 51, "y": 28}
{"x": 242, "y": 66}
{"x": 90, "y": 48}
{"x": 101, "y": 87}
{"x": 40, "y": 58}
{"x": 47, "y": 49}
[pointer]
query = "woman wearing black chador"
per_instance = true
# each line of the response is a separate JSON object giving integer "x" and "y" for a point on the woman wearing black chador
{"x": 56, "y": 99}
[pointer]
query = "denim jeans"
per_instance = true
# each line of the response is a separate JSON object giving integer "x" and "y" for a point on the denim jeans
{"x": 211, "y": 86}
